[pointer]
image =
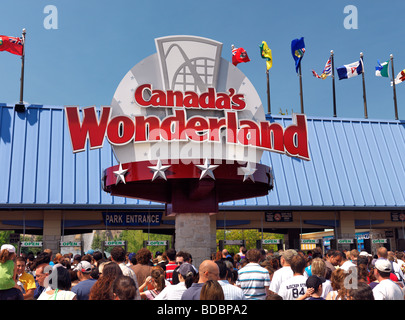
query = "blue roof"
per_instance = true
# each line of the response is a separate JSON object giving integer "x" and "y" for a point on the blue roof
{"x": 355, "y": 164}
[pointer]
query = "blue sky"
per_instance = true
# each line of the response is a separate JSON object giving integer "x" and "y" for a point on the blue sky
{"x": 98, "y": 42}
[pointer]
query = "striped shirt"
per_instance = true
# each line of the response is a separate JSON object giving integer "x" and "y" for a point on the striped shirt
{"x": 169, "y": 271}
{"x": 253, "y": 280}
{"x": 231, "y": 292}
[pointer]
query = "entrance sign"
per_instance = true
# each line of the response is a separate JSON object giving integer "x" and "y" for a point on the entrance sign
{"x": 375, "y": 241}
{"x": 187, "y": 129}
{"x": 132, "y": 219}
{"x": 157, "y": 243}
{"x": 345, "y": 241}
{"x": 70, "y": 243}
{"x": 271, "y": 241}
{"x": 114, "y": 243}
{"x": 31, "y": 243}
{"x": 309, "y": 241}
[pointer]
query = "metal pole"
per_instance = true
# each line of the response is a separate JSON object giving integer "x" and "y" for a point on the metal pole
{"x": 333, "y": 83}
{"x": 393, "y": 87}
{"x": 364, "y": 87}
{"x": 22, "y": 68}
{"x": 301, "y": 94}
{"x": 268, "y": 92}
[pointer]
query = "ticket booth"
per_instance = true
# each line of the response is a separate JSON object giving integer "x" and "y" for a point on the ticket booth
{"x": 317, "y": 243}
{"x": 368, "y": 244}
{"x": 264, "y": 242}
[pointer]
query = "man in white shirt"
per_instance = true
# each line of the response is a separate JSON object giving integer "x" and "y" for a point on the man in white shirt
{"x": 386, "y": 288}
{"x": 285, "y": 272}
{"x": 294, "y": 287}
{"x": 231, "y": 292}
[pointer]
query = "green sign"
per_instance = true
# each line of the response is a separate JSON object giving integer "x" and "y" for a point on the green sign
{"x": 70, "y": 243}
{"x": 270, "y": 241}
{"x": 379, "y": 241}
{"x": 309, "y": 241}
{"x": 343, "y": 241}
{"x": 114, "y": 243}
{"x": 31, "y": 244}
{"x": 156, "y": 243}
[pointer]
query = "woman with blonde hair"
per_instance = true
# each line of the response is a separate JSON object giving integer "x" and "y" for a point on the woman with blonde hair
{"x": 337, "y": 281}
{"x": 318, "y": 268}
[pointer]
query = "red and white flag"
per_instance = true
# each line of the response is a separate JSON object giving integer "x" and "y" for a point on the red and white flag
{"x": 239, "y": 55}
{"x": 13, "y": 45}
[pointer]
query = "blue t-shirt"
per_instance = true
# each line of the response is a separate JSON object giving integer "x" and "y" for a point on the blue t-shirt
{"x": 82, "y": 289}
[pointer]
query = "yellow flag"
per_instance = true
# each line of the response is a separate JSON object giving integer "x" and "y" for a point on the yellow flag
{"x": 265, "y": 52}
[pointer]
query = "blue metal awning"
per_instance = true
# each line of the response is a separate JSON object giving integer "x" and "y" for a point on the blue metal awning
{"x": 355, "y": 164}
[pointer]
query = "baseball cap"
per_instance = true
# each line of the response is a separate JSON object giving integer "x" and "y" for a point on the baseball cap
{"x": 314, "y": 282}
{"x": 185, "y": 269}
{"x": 383, "y": 265}
{"x": 9, "y": 247}
{"x": 84, "y": 266}
{"x": 365, "y": 253}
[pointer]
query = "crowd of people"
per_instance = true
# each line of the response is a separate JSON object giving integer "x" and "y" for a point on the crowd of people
{"x": 247, "y": 275}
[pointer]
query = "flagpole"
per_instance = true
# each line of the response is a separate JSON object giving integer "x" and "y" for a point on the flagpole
{"x": 364, "y": 87}
{"x": 333, "y": 83}
{"x": 268, "y": 91}
{"x": 393, "y": 86}
{"x": 301, "y": 96}
{"x": 20, "y": 106}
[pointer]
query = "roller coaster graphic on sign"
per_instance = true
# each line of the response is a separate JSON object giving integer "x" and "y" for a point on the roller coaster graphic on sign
{"x": 197, "y": 72}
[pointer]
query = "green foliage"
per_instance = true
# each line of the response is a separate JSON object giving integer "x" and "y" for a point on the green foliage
{"x": 249, "y": 235}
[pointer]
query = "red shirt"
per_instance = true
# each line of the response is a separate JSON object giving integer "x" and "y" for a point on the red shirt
{"x": 169, "y": 271}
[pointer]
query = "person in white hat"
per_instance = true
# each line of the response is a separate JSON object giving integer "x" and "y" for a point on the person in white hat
{"x": 386, "y": 288}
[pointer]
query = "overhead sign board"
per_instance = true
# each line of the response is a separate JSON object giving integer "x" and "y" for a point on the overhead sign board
{"x": 132, "y": 219}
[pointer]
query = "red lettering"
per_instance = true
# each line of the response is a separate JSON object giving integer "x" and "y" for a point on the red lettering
{"x": 296, "y": 138}
{"x": 147, "y": 128}
{"x": 120, "y": 130}
{"x": 172, "y": 128}
{"x": 196, "y": 128}
{"x": 272, "y": 136}
{"x": 90, "y": 128}
{"x": 249, "y": 133}
{"x": 139, "y": 95}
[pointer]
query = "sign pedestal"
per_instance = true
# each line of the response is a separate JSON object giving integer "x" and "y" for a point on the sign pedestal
{"x": 196, "y": 234}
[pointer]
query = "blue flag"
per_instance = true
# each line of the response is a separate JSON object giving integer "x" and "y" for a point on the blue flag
{"x": 297, "y": 51}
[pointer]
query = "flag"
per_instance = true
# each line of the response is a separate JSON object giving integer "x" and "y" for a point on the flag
{"x": 350, "y": 70}
{"x": 265, "y": 52}
{"x": 399, "y": 78}
{"x": 11, "y": 44}
{"x": 327, "y": 71}
{"x": 382, "y": 69}
{"x": 239, "y": 55}
{"x": 297, "y": 51}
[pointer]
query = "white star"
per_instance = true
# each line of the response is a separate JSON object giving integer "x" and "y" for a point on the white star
{"x": 248, "y": 172}
{"x": 120, "y": 174}
{"x": 159, "y": 170}
{"x": 206, "y": 169}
